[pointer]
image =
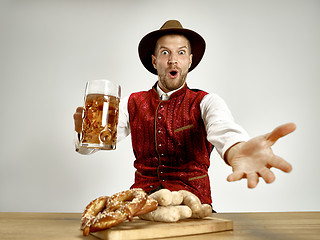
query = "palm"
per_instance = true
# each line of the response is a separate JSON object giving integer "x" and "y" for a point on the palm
{"x": 255, "y": 158}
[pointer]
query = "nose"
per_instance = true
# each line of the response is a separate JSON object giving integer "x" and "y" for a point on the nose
{"x": 172, "y": 59}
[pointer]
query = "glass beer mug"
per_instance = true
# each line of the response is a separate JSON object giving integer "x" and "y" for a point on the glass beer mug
{"x": 101, "y": 113}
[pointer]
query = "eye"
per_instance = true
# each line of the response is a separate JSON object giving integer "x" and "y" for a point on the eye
{"x": 164, "y": 52}
{"x": 182, "y": 52}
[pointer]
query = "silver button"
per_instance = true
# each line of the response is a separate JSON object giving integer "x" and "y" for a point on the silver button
{"x": 159, "y": 131}
{"x": 159, "y": 117}
{"x": 159, "y": 145}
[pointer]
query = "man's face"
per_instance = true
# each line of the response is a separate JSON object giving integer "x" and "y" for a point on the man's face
{"x": 172, "y": 58}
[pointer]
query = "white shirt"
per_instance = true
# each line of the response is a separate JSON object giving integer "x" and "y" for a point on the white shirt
{"x": 222, "y": 131}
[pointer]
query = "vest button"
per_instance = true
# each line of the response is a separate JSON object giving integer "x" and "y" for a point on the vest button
{"x": 159, "y": 117}
{"x": 159, "y": 131}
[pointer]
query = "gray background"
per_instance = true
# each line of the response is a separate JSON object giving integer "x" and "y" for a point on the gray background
{"x": 262, "y": 57}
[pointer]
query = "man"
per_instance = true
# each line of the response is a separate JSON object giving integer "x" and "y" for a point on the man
{"x": 174, "y": 128}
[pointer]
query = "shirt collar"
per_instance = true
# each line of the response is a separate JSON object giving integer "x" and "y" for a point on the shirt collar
{"x": 165, "y": 96}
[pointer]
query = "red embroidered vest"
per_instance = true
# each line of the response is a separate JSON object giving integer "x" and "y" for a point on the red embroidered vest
{"x": 169, "y": 142}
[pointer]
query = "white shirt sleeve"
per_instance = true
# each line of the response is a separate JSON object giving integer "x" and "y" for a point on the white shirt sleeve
{"x": 123, "y": 129}
{"x": 222, "y": 131}
{"x": 123, "y": 122}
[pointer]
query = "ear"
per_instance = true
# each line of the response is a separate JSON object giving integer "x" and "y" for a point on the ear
{"x": 190, "y": 60}
{"x": 154, "y": 61}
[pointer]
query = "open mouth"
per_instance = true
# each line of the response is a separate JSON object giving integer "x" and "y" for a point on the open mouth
{"x": 173, "y": 73}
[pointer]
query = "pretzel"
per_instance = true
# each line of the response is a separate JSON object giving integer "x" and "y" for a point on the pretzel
{"x": 105, "y": 212}
{"x": 150, "y": 205}
{"x": 91, "y": 211}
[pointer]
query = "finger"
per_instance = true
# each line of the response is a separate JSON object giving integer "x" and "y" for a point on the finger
{"x": 77, "y": 116}
{"x": 280, "y": 132}
{"x": 235, "y": 176}
{"x": 252, "y": 179}
{"x": 79, "y": 110}
{"x": 280, "y": 163}
{"x": 78, "y": 127}
{"x": 267, "y": 175}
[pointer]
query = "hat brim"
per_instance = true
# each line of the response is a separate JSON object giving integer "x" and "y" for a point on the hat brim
{"x": 148, "y": 42}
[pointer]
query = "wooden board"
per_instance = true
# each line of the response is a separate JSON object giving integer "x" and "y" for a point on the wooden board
{"x": 141, "y": 229}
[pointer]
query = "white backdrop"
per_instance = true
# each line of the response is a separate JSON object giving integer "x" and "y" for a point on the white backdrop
{"x": 262, "y": 57}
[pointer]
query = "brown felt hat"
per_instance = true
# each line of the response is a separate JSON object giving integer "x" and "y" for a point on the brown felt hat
{"x": 148, "y": 43}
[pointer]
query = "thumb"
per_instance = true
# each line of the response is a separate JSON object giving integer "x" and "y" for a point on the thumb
{"x": 280, "y": 132}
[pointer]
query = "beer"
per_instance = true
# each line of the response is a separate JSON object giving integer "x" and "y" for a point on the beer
{"x": 99, "y": 127}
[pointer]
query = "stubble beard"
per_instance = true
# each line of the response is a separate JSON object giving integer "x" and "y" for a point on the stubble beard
{"x": 172, "y": 84}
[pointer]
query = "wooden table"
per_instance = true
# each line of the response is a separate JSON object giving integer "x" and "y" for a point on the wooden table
{"x": 247, "y": 226}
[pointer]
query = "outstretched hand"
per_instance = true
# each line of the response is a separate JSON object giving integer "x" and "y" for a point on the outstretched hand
{"x": 253, "y": 159}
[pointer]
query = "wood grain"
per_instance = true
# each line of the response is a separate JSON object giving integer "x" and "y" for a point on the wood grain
{"x": 141, "y": 229}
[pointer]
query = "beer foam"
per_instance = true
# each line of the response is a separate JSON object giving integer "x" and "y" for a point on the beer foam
{"x": 103, "y": 86}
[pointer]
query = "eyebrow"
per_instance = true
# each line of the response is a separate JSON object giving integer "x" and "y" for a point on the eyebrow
{"x": 178, "y": 48}
{"x": 182, "y": 47}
